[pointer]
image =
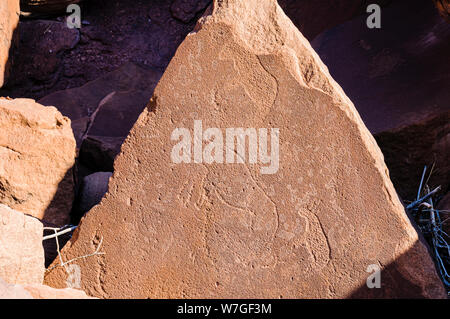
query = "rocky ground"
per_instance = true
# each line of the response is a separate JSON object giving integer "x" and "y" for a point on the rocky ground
{"x": 81, "y": 104}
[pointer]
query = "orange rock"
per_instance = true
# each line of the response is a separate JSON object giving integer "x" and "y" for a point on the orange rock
{"x": 227, "y": 230}
{"x": 21, "y": 250}
{"x": 444, "y": 8}
{"x": 9, "y": 19}
{"x": 444, "y": 204}
{"x": 37, "y": 153}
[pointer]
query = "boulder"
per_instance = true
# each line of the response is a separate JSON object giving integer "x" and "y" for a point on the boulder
{"x": 21, "y": 250}
{"x": 444, "y": 205}
{"x": 94, "y": 187}
{"x": 46, "y": 292}
{"x": 9, "y": 20}
{"x": 38, "y": 291}
{"x": 314, "y": 17}
{"x": 46, "y": 6}
{"x": 37, "y": 153}
{"x": 306, "y": 221}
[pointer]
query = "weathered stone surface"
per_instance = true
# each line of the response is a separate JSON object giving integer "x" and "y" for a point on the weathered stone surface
{"x": 9, "y": 19}
{"x": 314, "y": 17}
{"x": 46, "y": 6}
{"x": 396, "y": 76}
{"x": 50, "y": 245}
{"x": 93, "y": 189}
{"x": 38, "y": 291}
{"x": 108, "y": 106}
{"x": 21, "y": 251}
{"x": 37, "y": 153}
{"x": 227, "y": 230}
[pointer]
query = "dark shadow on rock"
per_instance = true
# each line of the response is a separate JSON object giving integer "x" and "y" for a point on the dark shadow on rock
{"x": 58, "y": 211}
{"x": 404, "y": 279}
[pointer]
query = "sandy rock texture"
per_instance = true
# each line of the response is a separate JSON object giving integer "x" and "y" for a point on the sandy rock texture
{"x": 37, "y": 153}
{"x": 201, "y": 230}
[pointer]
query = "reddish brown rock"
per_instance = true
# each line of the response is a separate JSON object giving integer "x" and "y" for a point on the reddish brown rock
{"x": 21, "y": 250}
{"x": 310, "y": 229}
{"x": 314, "y": 17}
{"x": 9, "y": 20}
{"x": 37, "y": 153}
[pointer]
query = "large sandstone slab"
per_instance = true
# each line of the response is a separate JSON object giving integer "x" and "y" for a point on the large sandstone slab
{"x": 309, "y": 229}
{"x": 37, "y": 153}
{"x": 38, "y": 291}
{"x": 9, "y": 19}
{"x": 21, "y": 250}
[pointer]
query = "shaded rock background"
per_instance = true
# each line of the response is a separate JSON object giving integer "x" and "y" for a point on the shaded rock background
{"x": 444, "y": 8}
{"x": 314, "y": 17}
{"x": 37, "y": 154}
{"x": 94, "y": 187}
{"x": 21, "y": 250}
{"x": 9, "y": 19}
{"x": 105, "y": 109}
